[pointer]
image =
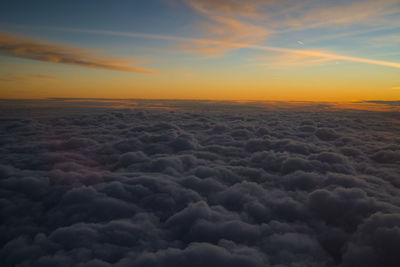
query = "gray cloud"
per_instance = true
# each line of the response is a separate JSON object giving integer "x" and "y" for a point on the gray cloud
{"x": 231, "y": 185}
{"x": 11, "y": 45}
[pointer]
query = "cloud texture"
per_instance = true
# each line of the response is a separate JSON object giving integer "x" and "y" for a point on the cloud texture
{"x": 223, "y": 186}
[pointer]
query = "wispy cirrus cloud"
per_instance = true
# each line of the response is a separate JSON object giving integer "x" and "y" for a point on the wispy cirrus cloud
{"x": 247, "y": 8}
{"x": 223, "y": 26}
{"x": 11, "y": 45}
{"x": 286, "y": 14}
{"x": 316, "y": 14}
{"x": 289, "y": 60}
{"x": 328, "y": 56}
{"x": 323, "y": 55}
{"x": 254, "y": 20}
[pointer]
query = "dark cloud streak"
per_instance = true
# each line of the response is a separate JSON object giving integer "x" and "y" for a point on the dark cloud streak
{"x": 11, "y": 45}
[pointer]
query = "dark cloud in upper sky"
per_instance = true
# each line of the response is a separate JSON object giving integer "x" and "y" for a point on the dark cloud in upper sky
{"x": 204, "y": 185}
{"x": 11, "y": 45}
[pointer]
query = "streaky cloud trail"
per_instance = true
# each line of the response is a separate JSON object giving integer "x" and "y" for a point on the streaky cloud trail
{"x": 22, "y": 47}
{"x": 236, "y": 45}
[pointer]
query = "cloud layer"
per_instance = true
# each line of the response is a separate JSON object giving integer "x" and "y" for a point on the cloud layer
{"x": 11, "y": 45}
{"x": 205, "y": 185}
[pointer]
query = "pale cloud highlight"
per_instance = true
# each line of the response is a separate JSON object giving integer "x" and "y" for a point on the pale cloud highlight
{"x": 289, "y": 60}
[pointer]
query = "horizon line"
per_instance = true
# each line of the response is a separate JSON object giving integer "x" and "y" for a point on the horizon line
{"x": 204, "y": 99}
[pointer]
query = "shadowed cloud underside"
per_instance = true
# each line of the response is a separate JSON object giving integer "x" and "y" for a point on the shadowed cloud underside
{"x": 216, "y": 184}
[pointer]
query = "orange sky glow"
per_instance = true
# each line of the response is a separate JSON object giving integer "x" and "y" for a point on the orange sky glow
{"x": 217, "y": 50}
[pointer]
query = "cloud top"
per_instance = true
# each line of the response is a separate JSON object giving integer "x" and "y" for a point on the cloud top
{"x": 210, "y": 184}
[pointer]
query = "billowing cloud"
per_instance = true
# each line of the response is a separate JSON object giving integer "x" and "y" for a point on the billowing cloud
{"x": 208, "y": 183}
{"x": 11, "y": 45}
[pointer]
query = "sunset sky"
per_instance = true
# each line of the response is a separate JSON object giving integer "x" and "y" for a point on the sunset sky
{"x": 205, "y": 49}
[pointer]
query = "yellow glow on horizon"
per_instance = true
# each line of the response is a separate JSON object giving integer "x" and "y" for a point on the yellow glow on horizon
{"x": 187, "y": 88}
{"x": 302, "y": 81}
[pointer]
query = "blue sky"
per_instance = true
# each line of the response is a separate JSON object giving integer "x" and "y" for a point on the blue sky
{"x": 208, "y": 41}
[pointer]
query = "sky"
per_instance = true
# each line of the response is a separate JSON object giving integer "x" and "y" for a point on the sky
{"x": 184, "y": 49}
